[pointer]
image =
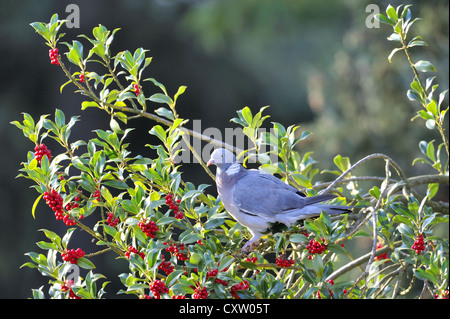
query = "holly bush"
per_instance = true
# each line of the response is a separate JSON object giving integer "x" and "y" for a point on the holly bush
{"x": 177, "y": 239}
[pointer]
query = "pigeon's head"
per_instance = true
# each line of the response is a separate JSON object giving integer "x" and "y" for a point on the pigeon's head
{"x": 222, "y": 158}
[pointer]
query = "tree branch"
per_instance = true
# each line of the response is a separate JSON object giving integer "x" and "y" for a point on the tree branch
{"x": 361, "y": 260}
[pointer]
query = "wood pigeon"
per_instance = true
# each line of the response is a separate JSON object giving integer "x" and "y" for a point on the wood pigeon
{"x": 259, "y": 200}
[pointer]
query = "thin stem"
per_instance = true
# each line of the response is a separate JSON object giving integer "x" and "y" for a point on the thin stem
{"x": 361, "y": 260}
{"x": 140, "y": 113}
{"x": 374, "y": 226}
{"x": 360, "y": 162}
{"x": 437, "y": 118}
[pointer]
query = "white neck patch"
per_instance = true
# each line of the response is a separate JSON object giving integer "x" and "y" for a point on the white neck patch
{"x": 233, "y": 169}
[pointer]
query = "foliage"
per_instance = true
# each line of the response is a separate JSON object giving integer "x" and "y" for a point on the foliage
{"x": 135, "y": 201}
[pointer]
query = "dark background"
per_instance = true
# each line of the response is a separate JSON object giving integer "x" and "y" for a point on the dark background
{"x": 314, "y": 62}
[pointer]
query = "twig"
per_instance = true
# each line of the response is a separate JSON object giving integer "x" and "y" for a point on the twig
{"x": 438, "y": 120}
{"x": 141, "y": 113}
{"x": 384, "y": 189}
{"x": 361, "y": 161}
{"x": 361, "y": 260}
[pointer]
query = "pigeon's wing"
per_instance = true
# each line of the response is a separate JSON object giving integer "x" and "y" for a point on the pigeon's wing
{"x": 260, "y": 194}
{"x": 276, "y": 181}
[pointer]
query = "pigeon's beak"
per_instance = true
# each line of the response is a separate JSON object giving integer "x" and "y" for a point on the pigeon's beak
{"x": 210, "y": 162}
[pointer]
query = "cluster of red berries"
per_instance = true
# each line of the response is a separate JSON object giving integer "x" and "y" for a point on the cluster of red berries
{"x": 72, "y": 255}
{"x": 137, "y": 91}
{"x": 200, "y": 293}
{"x": 70, "y": 206}
{"x": 55, "y": 201}
{"x": 53, "y": 54}
{"x": 212, "y": 274}
{"x": 252, "y": 259}
{"x": 382, "y": 256}
{"x": 443, "y": 295}
{"x": 111, "y": 221}
{"x": 176, "y": 250}
{"x": 220, "y": 281}
{"x": 331, "y": 282}
{"x": 419, "y": 244}
{"x": 173, "y": 206}
{"x": 131, "y": 249}
{"x": 149, "y": 228}
{"x": 40, "y": 150}
{"x": 315, "y": 247}
{"x": 240, "y": 286}
{"x": 166, "y": 266}
{"x": 67, "y": 285}
{"x": 284, "y": 262}
{"x": 178, "y": 297}
{"x": 96, "y": 194}
{"x": 81, "y": 77}
{"x": 158, "y": 288}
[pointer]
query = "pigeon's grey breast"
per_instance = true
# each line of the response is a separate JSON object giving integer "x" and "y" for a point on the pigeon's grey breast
{"x": 226, "y": 188}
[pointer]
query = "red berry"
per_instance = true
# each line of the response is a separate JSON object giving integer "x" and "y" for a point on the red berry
{"x": 72, "y": 255}
{"x": 212, "y": 273}
{"x": 111, "y": 221}
{"x": 137, "y": 91}
{"x": 419, "y": 244}
{"x": 166, "y": 266}
{"x": 283, "y": 262}
{"x": 253, "y": 259}
{"x": 149, "y": 228}
{"x": 96, "y": 194}
{"x": 53, "y": 54}
{"x": 133, "y": 250}
{"x": 240, "y": 286}
{"x": 158, "y": 288}
{"x": 200, "y": 293}
{"x": 55, "y": 201}
{"x": 174, "y": 248}
{"x": 382, "y": 256}
{"x": 315, "y": 247}
{"x": 173, "y": 206}
{"x": 67, "y": 285}
{"x": 41, "y": 150}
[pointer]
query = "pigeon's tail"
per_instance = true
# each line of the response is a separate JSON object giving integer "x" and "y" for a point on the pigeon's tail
{"x": 315, "y": 208}
{"x": 318, "y": 199}
{"x": 312, "y": 210}
{"x": 334, "y": 209}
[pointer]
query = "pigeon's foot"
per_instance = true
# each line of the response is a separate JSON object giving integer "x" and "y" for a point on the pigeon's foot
{"x": 249, "y": 245}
